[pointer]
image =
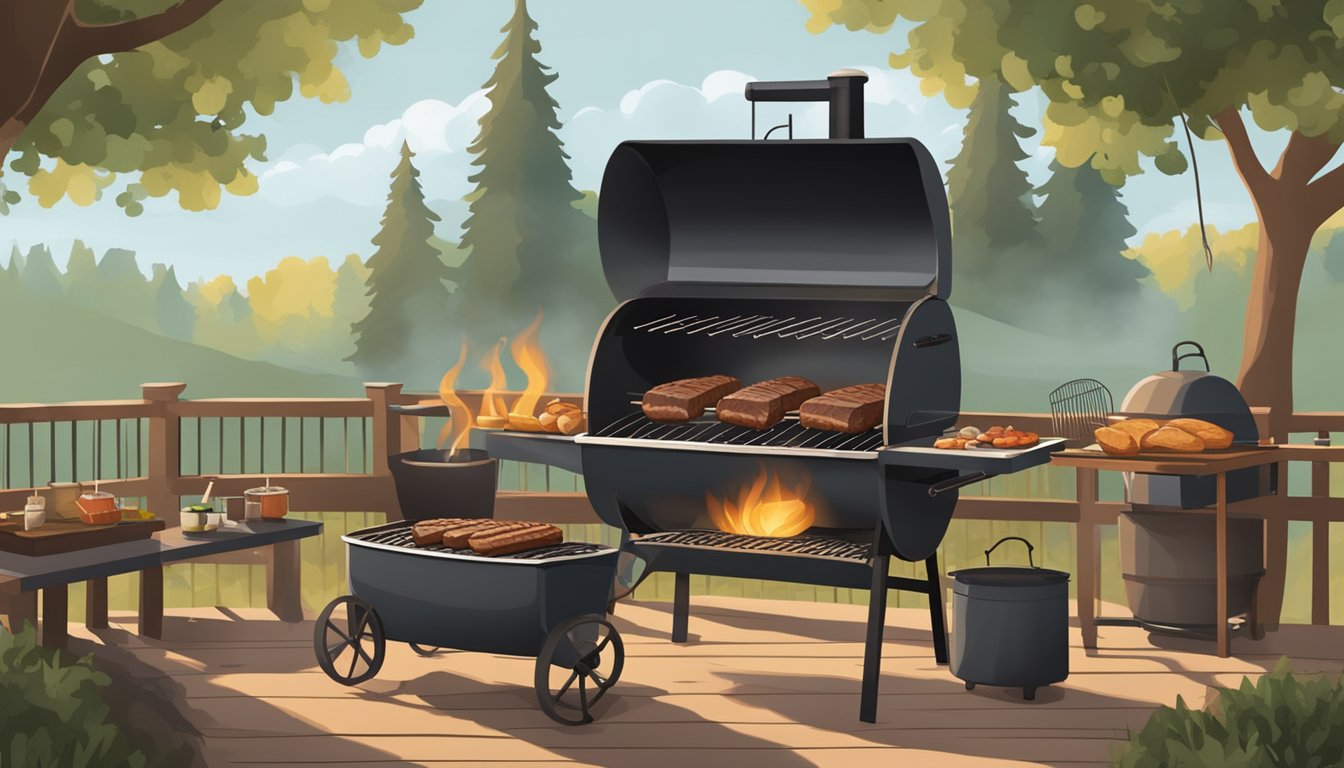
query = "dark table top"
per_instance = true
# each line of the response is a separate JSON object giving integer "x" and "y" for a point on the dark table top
{"x": 168, "y": 546}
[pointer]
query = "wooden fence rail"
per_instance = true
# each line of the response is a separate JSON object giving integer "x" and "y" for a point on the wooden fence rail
{"x": 333, "y": 454}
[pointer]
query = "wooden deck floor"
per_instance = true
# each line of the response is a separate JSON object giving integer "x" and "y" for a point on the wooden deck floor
{"x": 762, "y": 683}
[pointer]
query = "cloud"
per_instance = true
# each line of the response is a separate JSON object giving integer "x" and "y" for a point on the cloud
{"x": 439, "y": 133}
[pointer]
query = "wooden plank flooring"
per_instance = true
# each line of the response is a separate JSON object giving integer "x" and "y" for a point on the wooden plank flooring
{"x": 761, "y": 683}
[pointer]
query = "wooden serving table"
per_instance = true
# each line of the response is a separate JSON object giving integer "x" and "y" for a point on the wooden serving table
{"x": 1217, "y": 464}
{"x": 22, "y": 576}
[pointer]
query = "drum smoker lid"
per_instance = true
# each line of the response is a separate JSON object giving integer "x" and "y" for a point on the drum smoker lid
{"x": 1008, "y": 576}
{"x": 804, "y": 218}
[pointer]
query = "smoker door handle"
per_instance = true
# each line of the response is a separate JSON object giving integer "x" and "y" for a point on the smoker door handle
{"x": 924, "y": 342}
{"x": 957, "y": 482}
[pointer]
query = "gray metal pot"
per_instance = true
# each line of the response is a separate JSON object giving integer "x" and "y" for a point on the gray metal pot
{"x": 1010, "y": 625}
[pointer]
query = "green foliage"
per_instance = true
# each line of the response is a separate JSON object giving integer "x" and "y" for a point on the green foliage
{"x": 41, "y": 276}
{"x": 53, "y": 713}
{"x": 403, "y": 335}
{"x": 1334, "y": 259}
{"x": 1281, "y": 720}
{"x": 530, "y": 245}
{"x": 171, "y": 114}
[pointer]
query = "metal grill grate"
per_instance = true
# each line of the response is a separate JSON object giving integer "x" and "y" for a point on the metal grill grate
{"x": 1077, "y": 408}
{"x": 786, "y": 434}
{"x": 401, "y": 537}
{"x": 811, "y": 546}
{"x": 761, "y": 326}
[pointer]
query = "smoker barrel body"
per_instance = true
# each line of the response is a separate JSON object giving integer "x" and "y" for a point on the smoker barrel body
{"x": 475, "y": 604}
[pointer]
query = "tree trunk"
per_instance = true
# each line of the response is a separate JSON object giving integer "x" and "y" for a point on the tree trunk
{"x": 1266, "y": 377}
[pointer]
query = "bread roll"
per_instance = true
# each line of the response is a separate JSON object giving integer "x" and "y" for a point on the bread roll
{"x": 1116, "y": 442}
{"x": 1171, "y": 440}
{"x": 548, "y": 422}
{"x": 1137, "y": 428}
{"x": 492, "y": 422}
{"x": 570, "y": 422}
{"x": 1215, "y": 437}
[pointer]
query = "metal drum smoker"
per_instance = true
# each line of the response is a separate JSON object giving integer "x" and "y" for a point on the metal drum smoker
{"x": 550, "y": 603}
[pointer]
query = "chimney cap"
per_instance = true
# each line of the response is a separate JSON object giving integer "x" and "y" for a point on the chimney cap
{"x": 857, "y": 73}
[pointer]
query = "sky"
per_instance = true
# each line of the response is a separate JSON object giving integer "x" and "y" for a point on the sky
{"x": 628, "y": 69}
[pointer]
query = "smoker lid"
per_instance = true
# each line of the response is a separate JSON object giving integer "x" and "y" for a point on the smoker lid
{"x": 826, "y": 218}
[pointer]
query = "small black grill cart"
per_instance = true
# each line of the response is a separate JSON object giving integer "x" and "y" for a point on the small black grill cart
{"x": 549, "y": 603}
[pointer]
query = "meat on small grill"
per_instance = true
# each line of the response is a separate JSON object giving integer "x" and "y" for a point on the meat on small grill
{"x": 427, "y": 532}
{"x": 686, "y": 399}
{"x": 513, "y": 538}
{"x": 763, "y": 405}
{"x": 455, "y": 536}
{"x": 848, "y": 409}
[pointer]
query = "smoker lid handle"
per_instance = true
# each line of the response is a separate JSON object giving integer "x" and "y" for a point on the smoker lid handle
{"x": 1030, "y": 548}
{"x": 1177, "y": 357}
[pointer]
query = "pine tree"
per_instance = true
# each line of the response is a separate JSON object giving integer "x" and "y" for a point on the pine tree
{"x": 405, "y": 335}
{"x": 175, "y": 316}
{"x": 1083, "y": 227}
{"x": 529, "y": 244}
{"x": 993, "y": 217}
{"x": 125, "y": 292}
{"x": 82, "y": 282}
{"x": 41, "y": 277}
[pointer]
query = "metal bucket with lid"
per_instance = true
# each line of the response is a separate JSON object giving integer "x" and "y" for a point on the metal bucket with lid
{"x": 1010, "y": 625}
{"x": 269, "y": 502}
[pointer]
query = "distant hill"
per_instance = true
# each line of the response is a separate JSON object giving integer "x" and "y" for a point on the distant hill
{"x": 55, "y": 351}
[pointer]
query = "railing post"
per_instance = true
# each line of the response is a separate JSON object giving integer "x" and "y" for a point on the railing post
{"x": 165, "y": 452}
{"x": 386, "y": 426}
{"x": 1320, "y": 540}
{"x": 1269, "y": 595}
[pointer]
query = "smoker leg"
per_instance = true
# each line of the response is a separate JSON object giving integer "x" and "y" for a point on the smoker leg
{"x": 936, "y": 610}
{"x": 681, "y": 607}
{"x": 872, "y": 649}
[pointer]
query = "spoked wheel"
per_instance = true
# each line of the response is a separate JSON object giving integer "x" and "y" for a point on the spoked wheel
{"x": 424, "y": 650}
{"x": 349, "y": 648}
{"x": 580, "y": 661}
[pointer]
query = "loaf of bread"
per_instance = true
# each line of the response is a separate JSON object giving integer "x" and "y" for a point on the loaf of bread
{"x": 848, "y": 409}
{"x": 1171, "y": 440}
{"x": 1116, "y": 442}
{"x": 686, "y": 399}
{"x": 1214, "y": 437}
{"x": 512, "y": 538}
{"x": 763, "y": 404}
{"x": 1137, "y": 428}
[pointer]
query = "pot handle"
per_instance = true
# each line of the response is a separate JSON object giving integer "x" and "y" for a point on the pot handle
{"x": 1030, "y": 548}
{"x": 1177, "y": 357}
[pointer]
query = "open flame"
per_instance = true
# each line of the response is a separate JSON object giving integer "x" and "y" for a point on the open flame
{"x": 765, "y": 508}
{"x": 531, "y": 360}
{"x": 493, "y": 409}
{"x": 458, "y": 429}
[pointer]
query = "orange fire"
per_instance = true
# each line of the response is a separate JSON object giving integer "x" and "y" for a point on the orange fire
{"x": 492, "y": 403}
{"x": 766, "y": 508}
{"x": 531, "y": 360}
{"x": 458, "y": 429}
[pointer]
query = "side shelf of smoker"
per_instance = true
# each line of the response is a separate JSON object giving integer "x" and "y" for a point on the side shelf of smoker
{"x": 552, "y": 450}
{"x": 921, "y": 453}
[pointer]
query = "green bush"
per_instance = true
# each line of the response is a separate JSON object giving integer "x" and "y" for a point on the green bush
{"x": 52, "y": 714}
{"x": 1279, "y": 721}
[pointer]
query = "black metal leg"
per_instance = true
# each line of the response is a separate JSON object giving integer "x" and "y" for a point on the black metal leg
{"x": 872, "y": 649}
{"x": 681, "y": 607}
{"x": 936, "y": 615}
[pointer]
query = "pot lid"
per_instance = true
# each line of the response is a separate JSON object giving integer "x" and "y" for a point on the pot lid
{"x": 267, "y": 490}
{"x": 1009, "y": 576}
{"x": 799, "y": 218}
{"x": 96, "y": 495}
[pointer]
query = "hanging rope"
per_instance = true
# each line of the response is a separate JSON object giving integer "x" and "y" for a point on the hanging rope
{"x": 1199, "y": 195}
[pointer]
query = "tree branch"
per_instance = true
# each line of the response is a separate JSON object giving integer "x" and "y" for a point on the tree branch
{"x": 1325, "y": 196}
{"x": 97, "y": 39}
{"x": 1252, "y": 173}
{"x": 1304, "y": 157}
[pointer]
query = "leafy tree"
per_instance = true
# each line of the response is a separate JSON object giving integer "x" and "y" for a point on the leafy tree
{"x": 530, "y": 245}
{"x": 1334, "y": 258}
{"x": 993, "y": 216}
{"x": 1084, "y": 226}
{"x": 176, "y": 318}
{"x": 1119, "y": 76}
{"x": 403, "y": 335}
{"x": 41, "y": 277}
{"x": 161, "y": 90}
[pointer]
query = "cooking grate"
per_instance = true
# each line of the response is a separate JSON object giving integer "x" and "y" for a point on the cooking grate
{"x": 401, "y": 537}
{"x": 812, "y": 546}
{"x": 1077, "y": 408}
{"x": 761, "y": 326}
{"x": 786, "y": 434}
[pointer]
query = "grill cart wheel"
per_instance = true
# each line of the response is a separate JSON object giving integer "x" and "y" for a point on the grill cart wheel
{"x": 578, "y": 647}
{"x": 350, "y": 651}
{"x": 424, "y": 650}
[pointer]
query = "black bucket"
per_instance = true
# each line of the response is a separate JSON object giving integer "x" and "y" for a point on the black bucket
{"x": 434, "y": 483}
{"x": 1010, "y": 625}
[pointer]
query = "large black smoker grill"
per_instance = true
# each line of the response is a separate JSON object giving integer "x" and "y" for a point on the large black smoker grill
{"x": 826, "y": 259}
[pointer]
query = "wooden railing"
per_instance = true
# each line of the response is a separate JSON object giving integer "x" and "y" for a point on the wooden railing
{"x": 333, "y": 455}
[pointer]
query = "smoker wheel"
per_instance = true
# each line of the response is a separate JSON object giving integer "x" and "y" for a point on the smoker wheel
{"x": 970, "y": 686}
{"x": 424, "y": 650}
{"x": 578, "y": 646}
{"x": 360, "y": 633}
{"x": 1029, "y": 693}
